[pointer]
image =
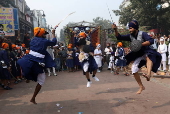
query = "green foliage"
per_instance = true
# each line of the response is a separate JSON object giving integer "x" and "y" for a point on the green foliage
{"x": 105, "y": 24}
{"x": 123, "y": 31}
{"x": 147, "y": 13}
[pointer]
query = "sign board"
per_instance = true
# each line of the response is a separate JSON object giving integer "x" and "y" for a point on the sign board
{"x": 7, "y": 22}
{"x": 16, "y": 19}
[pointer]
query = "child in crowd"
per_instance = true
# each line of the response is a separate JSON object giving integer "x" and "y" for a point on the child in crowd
{"x": 111, "y": 63}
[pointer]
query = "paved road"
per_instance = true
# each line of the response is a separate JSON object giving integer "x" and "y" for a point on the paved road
{"x": 111, "y": 95}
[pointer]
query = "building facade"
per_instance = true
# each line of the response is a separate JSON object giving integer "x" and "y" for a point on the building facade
{"x": 27, "y": 19}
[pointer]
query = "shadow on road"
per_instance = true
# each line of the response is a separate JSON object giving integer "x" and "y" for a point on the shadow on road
{"x": 119, "y": 90}
{"x": 63, "y": 107}
{"x": 166, "y": 104}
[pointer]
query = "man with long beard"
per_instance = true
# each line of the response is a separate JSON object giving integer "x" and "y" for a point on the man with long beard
{"x": 86, "y": 58}
{"x": 145, "y": 56}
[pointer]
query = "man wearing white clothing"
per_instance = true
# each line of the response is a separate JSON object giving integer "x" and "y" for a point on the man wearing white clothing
{"x": 98, "y": 56}
{"x": 162, "y": 49}
{"x": 169, "y": 55}
{"x": 108, "y": 51}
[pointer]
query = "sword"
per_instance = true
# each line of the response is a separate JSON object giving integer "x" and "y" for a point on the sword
{"x": 12, "y": 74}
{"x": 63, "y": 20}
{"x": 110, "y": 13}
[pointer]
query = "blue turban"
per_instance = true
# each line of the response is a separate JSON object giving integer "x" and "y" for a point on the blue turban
{"x": 134, "y": 24}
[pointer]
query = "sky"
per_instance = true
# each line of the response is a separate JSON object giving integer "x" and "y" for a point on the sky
{"x": 85, "y": 10}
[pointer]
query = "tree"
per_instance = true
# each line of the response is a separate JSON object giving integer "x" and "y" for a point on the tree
{"x": 105, "y": 24}
{"x": 148, "y": 13}
{"x": 122, "y": 30}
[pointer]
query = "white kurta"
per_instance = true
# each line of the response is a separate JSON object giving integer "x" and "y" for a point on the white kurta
{"x": 98, "y": 58}
{"x": 108, "y": 50}
{"x": 169, "y": 54}
{"x": 111, "y": 63}
{"x": 162, "y": 49}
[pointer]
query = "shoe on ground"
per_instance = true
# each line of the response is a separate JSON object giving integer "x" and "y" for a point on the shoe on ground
{"x": 49, "y": 74}
{"x": 98, "y": 71}
{"x": 95, "y": 78}
{"x": 89, "y": 84}
{"x": 16, "y": 82}
{"x": 2, "y": 85}
{"x": 7, "y": 88}
{"x": 108, "y": 69}
{"x": 19, "y": 80}
{"x": 55, "y": 74}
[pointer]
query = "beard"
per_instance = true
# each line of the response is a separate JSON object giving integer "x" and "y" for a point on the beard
{"x": 133, "y": 33}
{"x": 82, "y": 41}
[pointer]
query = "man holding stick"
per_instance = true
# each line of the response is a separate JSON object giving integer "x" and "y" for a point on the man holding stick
{"x": 143, "y": 56}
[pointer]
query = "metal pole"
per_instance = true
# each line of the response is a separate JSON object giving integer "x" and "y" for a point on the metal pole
{"x": 38, "y": 21}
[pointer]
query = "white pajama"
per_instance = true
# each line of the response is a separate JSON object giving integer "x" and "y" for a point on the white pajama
{"x": 169, "y": 56}
{"x": 164, "y": 65}
{"x": 41, "y": 78}
{"x": 136, "y": 64}
{"x": 162, "y": 49}
{"x": 98, "y": 58}
{"x": 85, "y": 66}
{"x": 111, "y": 63}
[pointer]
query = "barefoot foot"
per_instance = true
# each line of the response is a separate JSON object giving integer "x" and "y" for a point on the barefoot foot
{"x": 33, "y": 101}
{"x": 147, "y": 77}
{"x": 140, "y": 90}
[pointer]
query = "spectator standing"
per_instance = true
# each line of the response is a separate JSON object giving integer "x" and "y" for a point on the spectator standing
{"x": 108, "y": 51}
{"x": 63, "y": 58}
{"x": 27, "y": 40}
{"x": 162, "y": 49}
{"x": 98, "y": 57}
{"x": 57, "y": 57}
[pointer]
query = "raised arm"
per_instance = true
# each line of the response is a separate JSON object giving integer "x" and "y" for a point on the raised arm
{"x": 53, "y": 41}
{"x": 120, "y": 37}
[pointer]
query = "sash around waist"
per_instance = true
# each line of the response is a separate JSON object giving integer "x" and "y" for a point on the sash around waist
{"x": 36, "y": 54}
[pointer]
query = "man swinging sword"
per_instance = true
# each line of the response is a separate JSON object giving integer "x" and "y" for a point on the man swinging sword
{"x": 144, "y": 56}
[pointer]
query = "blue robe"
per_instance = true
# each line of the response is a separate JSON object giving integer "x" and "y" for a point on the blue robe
{"x": 92, "y": 63}
{"x": 30, "y": 64}
{"x": 121, "y": 62}
{"x": 4, "y": 56}
{"x": 13, "y": 63}
{"x": 153, "y": 55}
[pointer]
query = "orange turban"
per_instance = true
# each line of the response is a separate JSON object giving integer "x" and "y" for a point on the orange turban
{"x": 97, "y": 44}
{"x": 83, "y": 34}
{"x": 119, "y": 44}
{"x": 70, "y": 45}
{"x": 5, "y": 45}
{"x": 13, "y": 46}
{"x": 23, "y": 45}
{"x": 18, "y": 48}
{"x": 27, "y": 51}
{"x": 39, "y": 31}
